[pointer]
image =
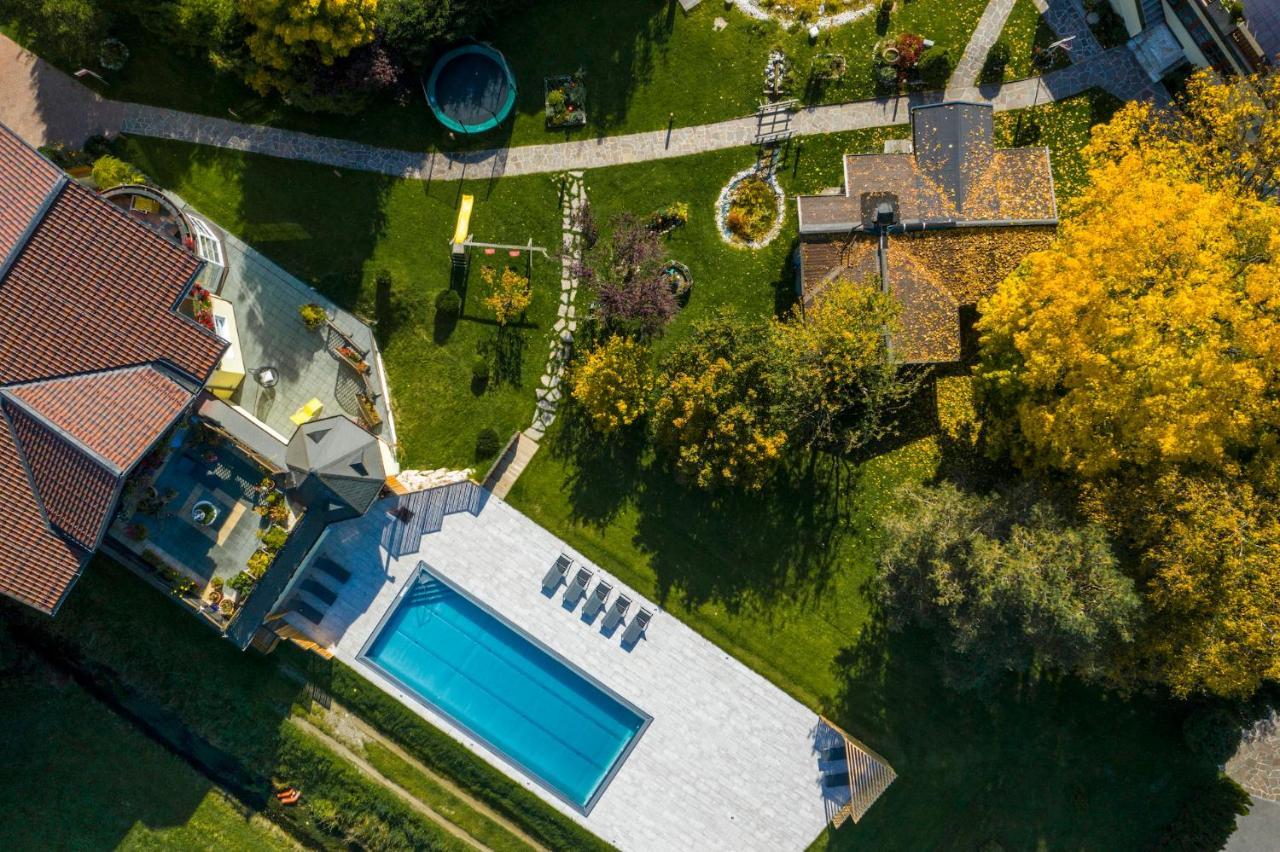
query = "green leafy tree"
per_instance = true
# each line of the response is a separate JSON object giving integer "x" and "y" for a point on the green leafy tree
{"x": 835, "y": 382}
{"x": 58, "y": 29}
{"x": 613, "y": 383}
{"x": 714, "y": 415}
{"x": 1007, "y": 582}
{"x": 291, "y": 41}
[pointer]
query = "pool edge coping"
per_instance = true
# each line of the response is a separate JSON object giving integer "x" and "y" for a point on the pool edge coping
{"x": 363, "y": 656}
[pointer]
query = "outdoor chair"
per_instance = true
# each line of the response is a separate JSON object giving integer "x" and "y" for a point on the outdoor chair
{"x": 332, "y": 569}
{"x": 637, "y": 627}
{"x": 835, "y": 780}
{"x": 319, "y": 592}
{"x": 621, "y": 604}
{"x": 597, "y": 600}
{"x": 307, "y": 611}
{"x": 557, "y": 573}
{"x": 573, "y": 593}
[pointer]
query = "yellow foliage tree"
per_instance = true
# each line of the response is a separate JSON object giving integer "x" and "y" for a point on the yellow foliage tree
{"x": 714, "y": 415}
{"x": 837, "y": 382}
{"x": 1149, "y": 333}
{"x": 1140, "y": 355}
{"x": 288, "y": 35}
{"x": 510, "y": 294}
{"x": 612, "y": 383}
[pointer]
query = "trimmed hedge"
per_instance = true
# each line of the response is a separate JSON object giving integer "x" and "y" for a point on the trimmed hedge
{"x": 446, "y": 755}
{"x": 342, "y": 806}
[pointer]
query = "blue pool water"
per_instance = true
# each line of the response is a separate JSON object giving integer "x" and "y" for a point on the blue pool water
{"x": 523, "y": 701}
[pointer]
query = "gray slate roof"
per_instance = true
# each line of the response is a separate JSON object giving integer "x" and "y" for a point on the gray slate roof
{"x": 334, "y": 459}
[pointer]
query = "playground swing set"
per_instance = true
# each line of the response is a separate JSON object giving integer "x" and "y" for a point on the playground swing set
{"x": 462, "y": 243}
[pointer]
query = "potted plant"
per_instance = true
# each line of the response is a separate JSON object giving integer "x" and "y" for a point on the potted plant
{"x": 313, "y": 316}
{"x": 227, "y": 607}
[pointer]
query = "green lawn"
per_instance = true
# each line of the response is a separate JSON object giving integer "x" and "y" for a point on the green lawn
{"x": 645, "y": 61}
{"x": 781, "y": 580}
{"x": 77, "y": 776}
{"x": 1011, "y": 58}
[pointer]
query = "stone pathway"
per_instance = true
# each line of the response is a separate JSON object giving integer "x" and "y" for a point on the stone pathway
{"x": 575, "y": 196}
{"x": 42, "y": 103}
{"x": 1256, "y": 764}
{"x": 990, "y": 25}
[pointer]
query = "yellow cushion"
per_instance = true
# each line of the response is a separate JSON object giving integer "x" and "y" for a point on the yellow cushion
{"x": 307, "y": 412}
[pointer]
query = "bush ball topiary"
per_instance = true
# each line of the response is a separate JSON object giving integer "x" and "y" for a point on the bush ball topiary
{"x": 448, "y": 304}
{"x": 487, "y": 444}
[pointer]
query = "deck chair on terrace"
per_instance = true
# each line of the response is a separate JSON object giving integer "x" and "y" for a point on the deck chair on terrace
{"x": 637, "y": 627}
{"x": 596, "y": 602}
{"x": 573, "y": 593}
{"x": 621, "y": 604}
{"x": 557, "y": 573}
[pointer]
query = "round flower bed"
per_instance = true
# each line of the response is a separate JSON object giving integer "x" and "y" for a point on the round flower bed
{"x": 824, "y": 13}
{"x": 679, "y": 279}
{"x": 750, "y": 209}
{"x": 112, "y": 54}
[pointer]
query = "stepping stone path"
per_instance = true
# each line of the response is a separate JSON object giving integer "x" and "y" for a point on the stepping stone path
{"x": 550, "y": 390}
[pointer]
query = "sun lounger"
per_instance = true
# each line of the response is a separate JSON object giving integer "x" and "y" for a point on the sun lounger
{"x": 307, "y": 611}
{"x": 319, "y": 592}
{"x": 834, "y": 753}
{"x": 596, "y": 602}
{"x": 621, "y": 604}
{"x": 835, "y": 780}
{"x": 637, "y": 627}
{"x": 573, "y": 593}
{"x": 333, "y": 570}
{"x": 557, "y": 573}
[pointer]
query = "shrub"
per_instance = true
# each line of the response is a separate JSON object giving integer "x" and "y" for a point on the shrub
{"x": 672, "y": 216}
{"x": 110, "y": 172}
{"x": 480, "y": 371}
{"x": 509, "y": 294}
{"x": 910, "y": 49}
{"x": 1212, "y": 731}
{"x": 313, "y": 315}
{"x": 612, "y": 384}
{"x": 755, "y": 204}
{"x": 448, "y": 304}
{"x": 1207, "y": 818}
{"x": 274, "y": 538}
{"x": 259, "y": 562}
{"x": 993, "y": 67}
{"x": 243, "y": 582}
{"x": 487, "y": 444}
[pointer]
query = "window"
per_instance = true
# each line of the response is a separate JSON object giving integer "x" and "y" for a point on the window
{"x": 207, "y": 245}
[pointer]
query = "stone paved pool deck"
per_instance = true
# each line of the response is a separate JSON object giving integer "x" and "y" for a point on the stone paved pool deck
{"x": 728, "y": 761}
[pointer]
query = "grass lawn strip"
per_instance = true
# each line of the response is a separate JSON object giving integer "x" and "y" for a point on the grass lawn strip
{"x": 105, "y": 785}
{"x": 1024, "y": 30}
{"x": 464, "y": 839}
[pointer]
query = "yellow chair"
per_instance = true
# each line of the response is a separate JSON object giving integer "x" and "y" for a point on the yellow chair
{"x": 307, "y": 412}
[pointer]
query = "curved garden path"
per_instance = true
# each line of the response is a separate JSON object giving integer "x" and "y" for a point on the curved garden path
{"x": 43, "y": 104}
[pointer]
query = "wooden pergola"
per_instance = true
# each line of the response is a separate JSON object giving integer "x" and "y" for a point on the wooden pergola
{"x": 869, "y": 774}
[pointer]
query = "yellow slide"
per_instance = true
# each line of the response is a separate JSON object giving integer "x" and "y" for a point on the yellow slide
{"x": 464, "y": 220}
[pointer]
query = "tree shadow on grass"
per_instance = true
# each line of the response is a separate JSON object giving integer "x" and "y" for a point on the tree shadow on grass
{"x": 1053, "y": 764}
{"x": 605, "y": 469}
{"x": 729, "y": 546}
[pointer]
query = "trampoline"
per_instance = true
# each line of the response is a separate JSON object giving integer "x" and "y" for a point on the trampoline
{"x": 471, "y": 89}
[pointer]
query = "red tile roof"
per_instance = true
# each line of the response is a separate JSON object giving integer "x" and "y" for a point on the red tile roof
{"x": 77, "y": 492}
{"x": 115, "y": 414}
{"x": 88, "y": 336}
{"x": 24, "y": 184}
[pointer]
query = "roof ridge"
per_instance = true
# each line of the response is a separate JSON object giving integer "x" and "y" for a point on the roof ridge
{"x": 50, "y": 197}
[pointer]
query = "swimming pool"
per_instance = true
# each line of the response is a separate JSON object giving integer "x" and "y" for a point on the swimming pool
{"x": 528, "y": 705}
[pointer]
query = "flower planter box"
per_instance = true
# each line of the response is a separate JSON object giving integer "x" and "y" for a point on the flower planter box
{"x": 565, "y": 100}
{"x": 368, "y": 411}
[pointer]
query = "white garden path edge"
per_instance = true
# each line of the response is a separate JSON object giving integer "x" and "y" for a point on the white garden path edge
{"x": 755, "y": 10}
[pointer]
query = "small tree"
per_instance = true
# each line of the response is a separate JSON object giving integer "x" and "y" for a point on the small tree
{"x": 110, "y": 172}
{"x": 713, "y": 417}
{"x": 612, "y": 383}
{"x": 836, "y": 384}
{"x": 510, "y": 293}
{"x": 632, "y": 294}
{"x": 1010, "y": 585}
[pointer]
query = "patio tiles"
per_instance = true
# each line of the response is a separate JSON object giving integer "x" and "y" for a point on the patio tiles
{"x": 729, "y": 760}
{"x": 266, "y": 301}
